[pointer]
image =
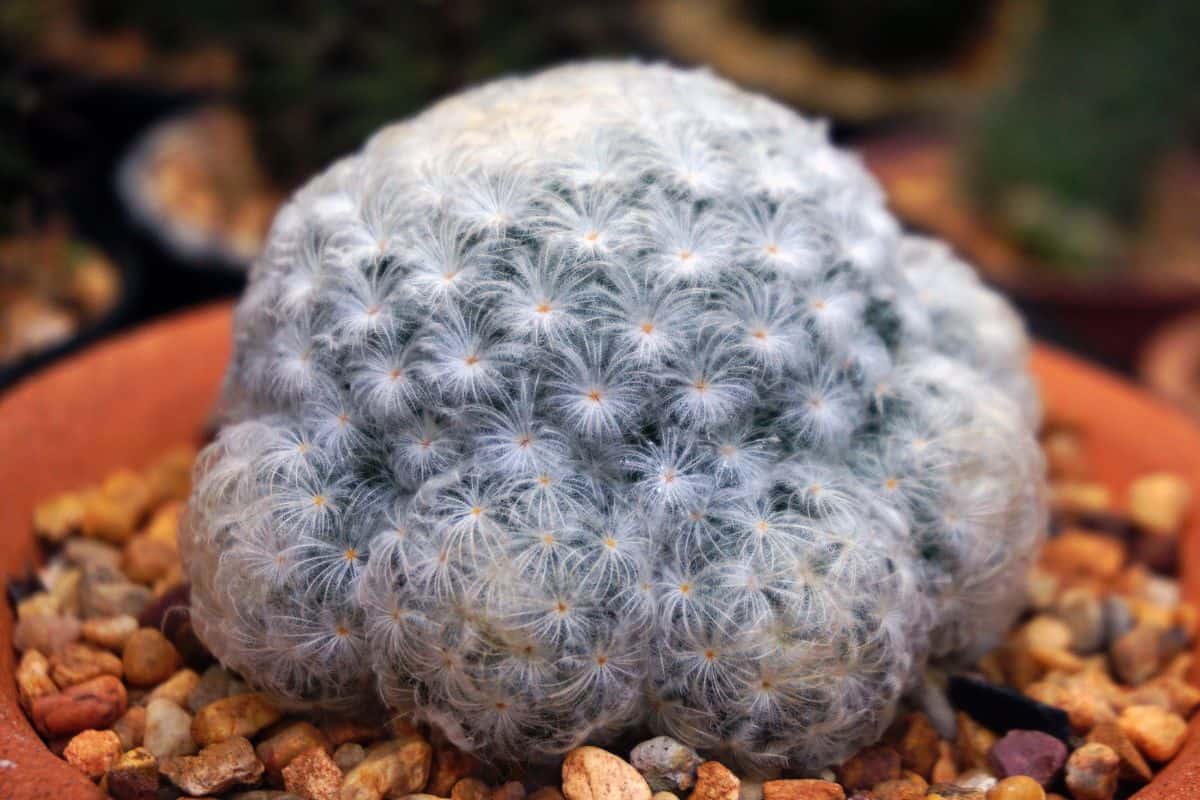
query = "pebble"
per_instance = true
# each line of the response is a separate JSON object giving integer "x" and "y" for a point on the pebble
{"x": 945, "y": 769}
{"x": 105, "y": 592}
{"x": 589, "y": 773}
{"x": 869, "y": 766}
{"x": 714, "y": 781}
{"x": 657, "y": 796}
{"x": 59, "y": 517}
{"x": 1018, "y": 787}
{"x": 168, "y": 730}
{"x": 92, "y": 752}
{"x": 1135, "y": 656}
{"x": 1032, "y": 753}
{"x": 149, "y": 658}
{"x": 146, "y": 559}
{"x": 1078, "y": 553}
{"x": 238, "y": 715}
{"x": 1081, "y": 610}
{"x": 340, "y": 730}
{"x": 918, "y": 746}
{"x": 134, "y": 776}
{"x": 350, "y": 754}
{"x": 1156, "y": 732}
{"x": 396, "y": 766}
{"x": 666, "y": 764}
{"x": 510, "y": 790}
{"x": 1133, "y": 765}
{"x": 110, "y": 633}
{"x": 86, "y": 553}
{"x": 1080, "y": 497}
{"x": 802, "y": 789}
{"x": 131, "y": 727}
{"x": 277, "y": 751}
{"x": 449, "y": 765}
{"x": 1159, "y": 502}
{"x": 33, "y": 678}
{"x": 972, "y": 743}
{"x": 1092, "y": 772}
{"x": 78, "y": 662}
{"x": 470, "y": 789}
{"x": 48, "y": 633}
{"x": 177, "y": 687}
{"x": 214, "y": 684}
{"x": 264, "y": 794}
{"x": 953, "y": 791}
{"x": 113, "y": 512}
{"x": 552, "y": 793}
{"x": 97, "y": 704}
{"x": 217, "y": 768}
{"x": 313, "y": 775}
{"x": 976, "y": 779}
{"x": 909, "y": 786}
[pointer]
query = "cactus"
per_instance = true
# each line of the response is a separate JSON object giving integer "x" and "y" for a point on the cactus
{"x": 605, "y": 397}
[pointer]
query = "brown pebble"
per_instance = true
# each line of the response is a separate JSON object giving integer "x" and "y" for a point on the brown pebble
{"x": 470, "y": 789}
{"x": 802, "y": 789}
{"x": 1074, "y": 497}
{"x": 1133, "y": 765}
{"x": 449, "y": 765}
{"x": 349, "y": 755}
{"x": 952, "y": 791}
{"x": 714, "y": 781}
{"x": 313, "y": 775}
{"x": 1159, "y": 502}
{"x": 212, "y": 686}
{"x": 1156, "y": 732}
{"x": 511, "y": 790}
{"x": 918, "y": 746}
{"x": 78, "y": 662}
{"x": 277, "y": 751}
{"x": 945, "y": 769}
{"x": 176, "y": 688}
{"x": 1135, "y": 656}
{"x": 110, "y": 633}
{"x": 1092, "y": 772}
{"x": 97, "y": 704}
{"x": 113, "y": 512}
{"x": 106, "y": 592}
{"x": 910, "y": 786}
{"x": 589, "y": 773}
{"x": 869, "y": 766}
{"x": 551, "y": 793}
{"x": 395, "y": 766}
{"x": 149, "y": 658}
{"x": 47, "y": 633}
{"x": 131, "y": 727}
{"x": 972, "y": 743}
{"x": 237, "y": 715}
{"x": 134, "y": 776}
{"x": 92, "y": 752}
{"x": 1018, "y": 787}
{"x": 59, "y": 517}
{"x": 340, "y": 730}
{"x": 1077, "y": 553}
{"x": 217, "y": 768}
{"x": 33, "y": 678}
{"x": 1082, "y": 611}
{"x": 146, "y": 559}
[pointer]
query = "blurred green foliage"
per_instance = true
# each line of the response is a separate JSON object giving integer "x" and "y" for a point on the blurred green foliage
{"x": 319, "y": 76}
{"x": 1061, "y": 160}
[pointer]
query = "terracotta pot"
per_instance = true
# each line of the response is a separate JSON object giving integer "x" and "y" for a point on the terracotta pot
{"x": 1111, "y": 316}
{"x": 128, "y": 400}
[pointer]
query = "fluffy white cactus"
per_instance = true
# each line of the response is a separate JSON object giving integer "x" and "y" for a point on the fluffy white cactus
{"x": 611, "y": 396}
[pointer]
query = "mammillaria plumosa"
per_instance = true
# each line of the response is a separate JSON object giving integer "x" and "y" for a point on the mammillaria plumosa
{"x": 613, "y": 396}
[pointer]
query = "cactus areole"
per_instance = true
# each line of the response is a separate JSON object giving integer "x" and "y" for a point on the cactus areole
{"x": 606, "y": 398}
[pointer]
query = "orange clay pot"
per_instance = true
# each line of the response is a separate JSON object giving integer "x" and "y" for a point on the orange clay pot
{"x": 128, "y": 400}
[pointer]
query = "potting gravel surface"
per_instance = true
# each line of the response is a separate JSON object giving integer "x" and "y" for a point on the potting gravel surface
{"x": 1087, "y": 697}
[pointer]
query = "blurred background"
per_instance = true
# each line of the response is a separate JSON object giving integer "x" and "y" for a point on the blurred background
{"x": 144, "y": 146}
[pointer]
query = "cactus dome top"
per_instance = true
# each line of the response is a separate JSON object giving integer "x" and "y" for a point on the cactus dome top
{"x": 613, "y": 395}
